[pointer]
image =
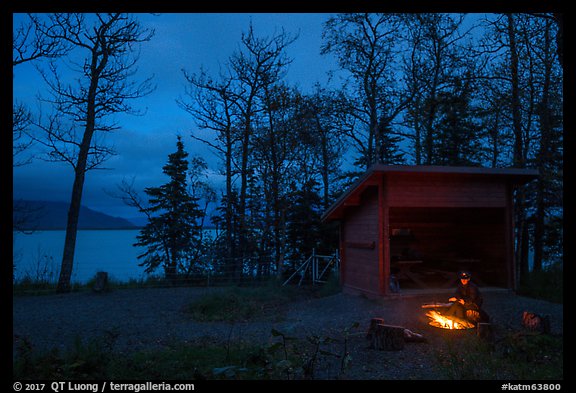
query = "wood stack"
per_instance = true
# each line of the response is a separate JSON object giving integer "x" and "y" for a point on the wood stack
{"x": 535, "y": 322}
{"x": 390, "y": 337}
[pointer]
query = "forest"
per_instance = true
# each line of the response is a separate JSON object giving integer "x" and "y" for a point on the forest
{"x": 419, "y": 89}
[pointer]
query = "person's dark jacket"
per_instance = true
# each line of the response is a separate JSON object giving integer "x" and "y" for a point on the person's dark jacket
{"x": 471, "y": 295}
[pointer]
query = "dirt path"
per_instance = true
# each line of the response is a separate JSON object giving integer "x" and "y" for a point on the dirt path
{"x": 155, "y": 317}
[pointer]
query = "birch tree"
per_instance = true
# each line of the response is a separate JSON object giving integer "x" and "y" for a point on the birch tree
{"x": 102, "y": 59}
{"x": 366, "y": 46}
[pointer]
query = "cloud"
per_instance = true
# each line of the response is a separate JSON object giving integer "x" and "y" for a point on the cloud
{"x": 143, "y": 143}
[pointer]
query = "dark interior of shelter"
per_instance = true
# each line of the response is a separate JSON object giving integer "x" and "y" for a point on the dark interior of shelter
{"x": 428, "y": 246}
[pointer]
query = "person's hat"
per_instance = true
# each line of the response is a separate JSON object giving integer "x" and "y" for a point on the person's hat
{"x": 464, "y": 275}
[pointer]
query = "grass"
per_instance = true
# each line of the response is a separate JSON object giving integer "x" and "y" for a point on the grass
{"x": 234, "y": 304}
{"x": 515, "y": 355}
{"x": 181, "y": 361}
{"x": 94, "y": 360}
{"x": 81, "y": 361}
{"x": 29, "y": 286}
{"x": 193, "y": 361}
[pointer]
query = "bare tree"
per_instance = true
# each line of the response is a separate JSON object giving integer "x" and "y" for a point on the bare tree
{"x": 276, "y": 151}
{"x": 366, "y": 46}
{"x": 523, "y": 75}
{"x": 30, "y": 42}
{"x": 558, "y": 19}
{"x": 21, "y": 119}
{"x": 234, "y": 107}
{"x": 259, "y": 65}
{"x": 211, "y": 103}
{"x": 433, "y": 65}
{"x": 546, "y": 78}
{"x": 319, "y": 129}
{"x": 105, "y": 45}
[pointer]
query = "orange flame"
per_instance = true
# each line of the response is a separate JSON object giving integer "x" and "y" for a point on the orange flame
{"x": 440, "y": 321}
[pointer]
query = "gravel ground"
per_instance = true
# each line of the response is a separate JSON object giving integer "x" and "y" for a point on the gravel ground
{"x": 155, "y": 317}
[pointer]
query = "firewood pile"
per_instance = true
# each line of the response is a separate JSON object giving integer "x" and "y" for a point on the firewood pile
{"x": 390, "y": 337}
{"x": 536, "y": 323}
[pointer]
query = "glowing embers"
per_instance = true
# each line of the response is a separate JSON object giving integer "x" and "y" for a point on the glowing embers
{"x": 440, "y": 321}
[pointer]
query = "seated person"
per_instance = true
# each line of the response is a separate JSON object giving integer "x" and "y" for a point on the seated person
{"x": 467, "y": 301}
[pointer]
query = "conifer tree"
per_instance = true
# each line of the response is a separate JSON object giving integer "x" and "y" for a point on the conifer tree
{"x": 457, "y": 134}
{"x": 173, "y": 231}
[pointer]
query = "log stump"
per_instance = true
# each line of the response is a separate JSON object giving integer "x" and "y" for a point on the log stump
{"x": 387, "y": 337}
{"x": 372, "y": 328}
{"x": 101, "y": 283}
{"x": 484, "y": 330}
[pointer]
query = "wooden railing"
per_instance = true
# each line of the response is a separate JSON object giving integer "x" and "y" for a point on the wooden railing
{"x": 318, "y": 266}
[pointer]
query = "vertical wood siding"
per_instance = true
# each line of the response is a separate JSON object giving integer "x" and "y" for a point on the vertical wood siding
{"x": 444, "y": 191}
{"x": 360, "y": 231}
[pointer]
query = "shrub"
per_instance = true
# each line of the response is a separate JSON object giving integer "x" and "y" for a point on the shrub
{"x": 546, "y": 284}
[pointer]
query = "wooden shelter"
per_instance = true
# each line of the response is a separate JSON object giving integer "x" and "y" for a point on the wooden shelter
{"x": 419, "y": 225}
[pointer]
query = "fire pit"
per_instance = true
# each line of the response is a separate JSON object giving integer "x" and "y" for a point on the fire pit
{"x": 440, "y": 321}
{"x": 437, "y": 319}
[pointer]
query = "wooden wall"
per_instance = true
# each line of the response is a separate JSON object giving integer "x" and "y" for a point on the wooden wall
{"x": 440, "y": 190}
{"x": 360, "y": 243}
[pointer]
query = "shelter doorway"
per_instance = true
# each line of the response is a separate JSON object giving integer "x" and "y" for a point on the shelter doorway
{"x": 428, "y": 246}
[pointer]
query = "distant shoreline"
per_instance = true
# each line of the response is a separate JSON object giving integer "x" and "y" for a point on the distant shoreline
{"x": 88, "y": 229}
{"x": 80, "y": 229}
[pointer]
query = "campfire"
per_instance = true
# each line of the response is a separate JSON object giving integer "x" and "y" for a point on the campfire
{"x": 440, "y": 321}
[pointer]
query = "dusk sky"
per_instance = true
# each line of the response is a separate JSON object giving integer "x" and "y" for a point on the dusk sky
{"x": 181, "y": 41}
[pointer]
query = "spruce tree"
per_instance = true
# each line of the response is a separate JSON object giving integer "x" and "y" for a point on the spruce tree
{"x": 173, "y": 230}
{"x": 304, "y": 227}
{"x": 457, "y": 139}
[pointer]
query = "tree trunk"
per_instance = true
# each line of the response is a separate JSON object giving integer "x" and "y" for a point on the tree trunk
{"x": 325, "y": 167}
{"x": 238, "y": 262}
{"x": 76, "y": 198}
{"x": 544, "y": 155}
{"x": 518, "y": 157}
{"x": 71, "y": 232}
{"x": 518, "y": 152}
{"x": 112, "y": 37}
{"x": 230, "y": 243}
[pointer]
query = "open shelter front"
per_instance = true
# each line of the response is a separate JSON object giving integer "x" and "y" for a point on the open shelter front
{"x": 417, "y": 226}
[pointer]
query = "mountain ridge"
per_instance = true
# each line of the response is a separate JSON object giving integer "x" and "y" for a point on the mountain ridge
{"x": 52, "y": 215}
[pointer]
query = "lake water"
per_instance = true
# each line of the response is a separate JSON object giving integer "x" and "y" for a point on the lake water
{"x": 39, "y": 255}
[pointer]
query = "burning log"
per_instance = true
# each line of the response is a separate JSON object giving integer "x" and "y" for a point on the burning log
{"x": 444, "y": 322}
{"x": 436, "y": 305}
